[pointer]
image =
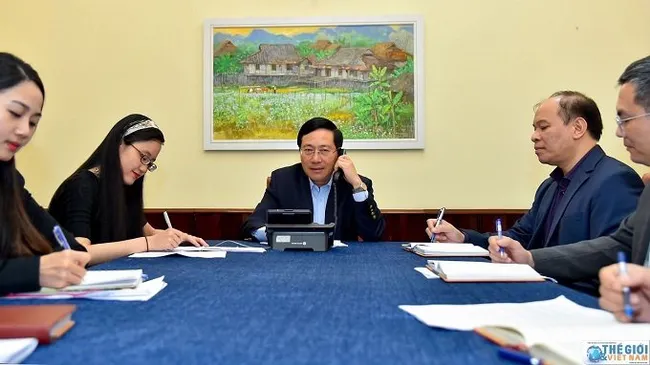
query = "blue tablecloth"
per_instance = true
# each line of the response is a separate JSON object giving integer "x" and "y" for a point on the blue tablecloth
{"x": 336, "y": 307}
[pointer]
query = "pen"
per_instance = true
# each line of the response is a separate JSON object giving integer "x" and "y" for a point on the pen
{"x": 502, "y": 251}
{"x": 169, "y": 223}
{"x": 60, "y": 237}
{"x": 520, "y": 357}
{"x": 622, "y": 270}
{"x": 441, "y": 213}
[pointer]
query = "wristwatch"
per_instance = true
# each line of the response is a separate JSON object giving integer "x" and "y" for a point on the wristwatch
{"x": 359, "y": 188}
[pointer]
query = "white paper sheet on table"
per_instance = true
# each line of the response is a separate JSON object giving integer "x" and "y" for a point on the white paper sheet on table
{"x": 197, "y": 252}
{"x": 142, "y": 292}
{"x": 427, "y": 273}
{"x": 558, "y": 324}
{"x": 15, "y": 350}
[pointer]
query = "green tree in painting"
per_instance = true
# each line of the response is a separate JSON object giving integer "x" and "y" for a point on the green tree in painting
{"x": 231, "y": 62}
{"x": 305, "y": 49}
{"x": 380, "y": 107}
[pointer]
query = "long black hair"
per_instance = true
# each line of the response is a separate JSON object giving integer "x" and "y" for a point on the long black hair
{"x": 120, "y": 210}
{"x": 18, "y": 236}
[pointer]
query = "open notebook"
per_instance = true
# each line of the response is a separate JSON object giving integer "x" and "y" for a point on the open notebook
{"x": 467, "y": 271}
{"x": 556, "y": 330}
{"x": 431, "y": 249}
{"x": 106, "y": 279}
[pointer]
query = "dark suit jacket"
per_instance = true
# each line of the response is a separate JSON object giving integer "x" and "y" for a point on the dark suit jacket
{"x": 583, "y": 260}
{"x": 289, "y": 189}
{"x": 602, "y": 192}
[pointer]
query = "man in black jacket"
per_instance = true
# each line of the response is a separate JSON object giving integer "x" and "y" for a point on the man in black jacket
{"x": 324, "y": 175}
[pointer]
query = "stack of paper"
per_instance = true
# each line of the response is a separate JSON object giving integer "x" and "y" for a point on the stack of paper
{"x": 431, "y": 249}
{"x": 15, "y": 350}
{"x": 141, "y": 292}
{"x": 187, "y": 251}
{"x": 108, "y": 279}
{"x": 556, "y": 327}
{"x": 468, "y": 271}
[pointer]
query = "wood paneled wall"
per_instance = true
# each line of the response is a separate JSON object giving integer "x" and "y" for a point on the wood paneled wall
{"x": 401, "y": 225}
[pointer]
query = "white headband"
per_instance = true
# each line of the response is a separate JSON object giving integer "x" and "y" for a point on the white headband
{"x": 143, "y": 124}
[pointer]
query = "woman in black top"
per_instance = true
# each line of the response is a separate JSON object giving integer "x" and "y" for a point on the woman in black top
{"x": 101, "y": 202}
{"x": 27, "y": 244}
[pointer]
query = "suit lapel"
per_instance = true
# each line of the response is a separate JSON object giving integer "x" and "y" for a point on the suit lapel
{"x": 329, "y": 207}
{"x": 579, "y": 176}
{"x": 544, "y": 209}
{"x": 576, "y": 181}
{"x": 304, "y": 199}
{"x": 641, "y": 239}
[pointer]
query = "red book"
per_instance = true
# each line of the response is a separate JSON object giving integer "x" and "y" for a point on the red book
{"x": 45, "y": 322}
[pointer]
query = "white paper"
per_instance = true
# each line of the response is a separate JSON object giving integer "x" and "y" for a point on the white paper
{"x": 413, "y": 244}
{"x": 488, "y": 271}
{"x": 15, "y": 350}
{"x": 558, "y": 323}
{"x": 142, "y": 292}
{"x": 200, "y": 252}
{"x": 106, "y": 279}
{"x": 427, "y": 273}
{"x": 338, "y": 243}
{"x": 220, "y": 248}
{"x": 449, "y": 249}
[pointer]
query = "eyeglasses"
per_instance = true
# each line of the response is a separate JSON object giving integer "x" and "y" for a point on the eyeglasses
{"x": 146, "y": 160}
{"x": 619, "y": 121}
{"x": 308, "y": 151}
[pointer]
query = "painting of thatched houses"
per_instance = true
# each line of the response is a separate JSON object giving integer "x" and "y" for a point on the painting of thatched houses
{"x": 275, "y": 59}
{"x": 266, "y": 80}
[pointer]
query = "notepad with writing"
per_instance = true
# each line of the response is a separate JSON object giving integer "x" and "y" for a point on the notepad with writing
{"x": 467, "y": 271}
{"x": 430, "y": 249}
{"x": 556, "y": 330}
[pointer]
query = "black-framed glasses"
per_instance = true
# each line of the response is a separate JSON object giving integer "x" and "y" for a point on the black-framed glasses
{"x": 146, "y": 160}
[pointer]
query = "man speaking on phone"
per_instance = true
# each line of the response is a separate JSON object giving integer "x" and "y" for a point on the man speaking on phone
{"x": 325, "y": 182}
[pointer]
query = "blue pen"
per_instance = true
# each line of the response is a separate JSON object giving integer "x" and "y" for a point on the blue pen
{"x": 622, "y": 270}
{"x": 520, "y": 357}
{"x": 60, "y": 237}
{"x": 441, "y": 213}
{"x": 502, "y": 251}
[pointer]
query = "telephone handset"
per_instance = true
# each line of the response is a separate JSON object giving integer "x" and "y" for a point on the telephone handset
{"x": 337, "y": 174}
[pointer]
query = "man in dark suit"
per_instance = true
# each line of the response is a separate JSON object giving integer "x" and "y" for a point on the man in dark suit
{"x": 324, "y": 175}
{"x": 583, "y": 260}
{"x": 587, "y": 195}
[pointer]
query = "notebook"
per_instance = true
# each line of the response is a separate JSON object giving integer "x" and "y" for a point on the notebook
{"x": 15, "y": 350}
{"x": 106, "y": 279}
{"x": 467, "y": 271}
{"x": 429, "y": 249}
{"x": 47, "y": 323}
{"x": 557, "y": 330}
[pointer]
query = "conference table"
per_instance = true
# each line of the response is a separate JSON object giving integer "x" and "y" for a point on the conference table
{"x": 292, "y": 307}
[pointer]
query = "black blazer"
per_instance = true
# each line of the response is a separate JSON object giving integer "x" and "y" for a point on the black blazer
{"x": 289, "y": 189}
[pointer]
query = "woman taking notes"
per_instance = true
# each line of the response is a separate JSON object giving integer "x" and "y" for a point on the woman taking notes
{"x": 27, "y": 242}
{"x": 102, "y": 203}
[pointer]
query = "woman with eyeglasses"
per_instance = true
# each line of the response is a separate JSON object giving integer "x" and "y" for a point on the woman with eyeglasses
{"x": 28, "y": 248}
{"x": 101, "y": 202}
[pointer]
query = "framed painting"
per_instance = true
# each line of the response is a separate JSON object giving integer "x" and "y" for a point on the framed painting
{"x": 263, "y": 78}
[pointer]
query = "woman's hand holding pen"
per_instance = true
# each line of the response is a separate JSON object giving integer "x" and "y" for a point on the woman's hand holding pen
{"x": 445, "y": 232}
{"x": 513, "y": 251}
{"x": 171, "y": 238}
{"x": 64, "y": 268}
